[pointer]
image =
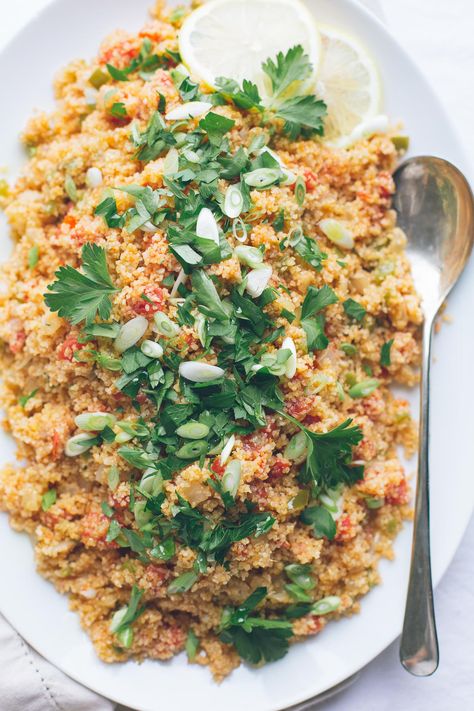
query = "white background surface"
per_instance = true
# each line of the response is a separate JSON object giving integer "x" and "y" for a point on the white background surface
{"x": 438, "y": 34}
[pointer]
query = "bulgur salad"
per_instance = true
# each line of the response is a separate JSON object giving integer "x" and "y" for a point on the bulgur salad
{"x": 204, "y": 310}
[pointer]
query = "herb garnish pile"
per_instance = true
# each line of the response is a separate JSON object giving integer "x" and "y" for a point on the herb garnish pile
{"x": 232, "y": 324}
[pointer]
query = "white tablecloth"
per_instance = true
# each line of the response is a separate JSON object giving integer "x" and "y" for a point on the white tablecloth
{"x": 438, "y": 33}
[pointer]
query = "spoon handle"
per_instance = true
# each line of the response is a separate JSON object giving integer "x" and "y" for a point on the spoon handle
{"x": 419, "y": 652}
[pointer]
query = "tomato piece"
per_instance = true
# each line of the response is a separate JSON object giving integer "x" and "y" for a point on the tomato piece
{"x": 67, "y": 349}
{"x": 154, "y": 302}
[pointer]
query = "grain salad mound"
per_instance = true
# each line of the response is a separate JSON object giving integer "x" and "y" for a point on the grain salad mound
{"x": 200, "y": 321}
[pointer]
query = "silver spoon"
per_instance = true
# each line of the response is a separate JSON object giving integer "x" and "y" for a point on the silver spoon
{"x": 435, "y": 209}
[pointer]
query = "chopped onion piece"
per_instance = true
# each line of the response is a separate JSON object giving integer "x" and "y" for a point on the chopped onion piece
{"x": 130, "y": 333}
{"x": 199, "y": 372}
{"x": 226, "y": 452}
{"x": 337, "y": 233}
{"x": 289, "y": 344}
{"x": 94, "y": 177}
{"x": 257, "y": 281}
{"x": 191, "y": 109}
{"x": 207, "y": 227}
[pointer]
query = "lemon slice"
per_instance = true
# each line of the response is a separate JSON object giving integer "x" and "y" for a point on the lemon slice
{"x": 231, "y": 38}
{"x": 349, "y": 83}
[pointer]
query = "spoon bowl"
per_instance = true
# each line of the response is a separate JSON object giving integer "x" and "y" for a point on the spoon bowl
{"x": 435, "y": 209}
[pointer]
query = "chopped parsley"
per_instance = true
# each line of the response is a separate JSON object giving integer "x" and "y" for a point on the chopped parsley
{"x": 354, "y": 310}
{"x": 385, "y": 354}
{"x": 312, "y": 320}
{"x": 23, "y": 399}
{"x": 255, "y": 638}
{"x": 48, "y": 499}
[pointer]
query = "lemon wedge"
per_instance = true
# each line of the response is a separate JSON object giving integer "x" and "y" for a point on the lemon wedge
{"x": 349, "y": 83}
{"x": 231, "y": 38}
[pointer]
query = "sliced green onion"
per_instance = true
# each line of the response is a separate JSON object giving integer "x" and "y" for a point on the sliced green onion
{"x": 262, "y": 178}
{"x": 231, "y": 478}
{"x": 192, "y": 450}
{"x": 301, "y": 575}
{"x": 190, "y": 109}
{"x": 151, "y": 349}
{"x": 237, "y": 225}
{"x": 117, "y": 618}
{"x": 70, "y": 188}
{"x": 348, "y": 349}
{"x": 192, "y": 645}
{"x": 123, "y": 437}
{"x": 257, "y": 281}
{"x": 226, "y": 451}
{"x": 33, "y": 256}
{"x": 125, "y": 637}
{"x": 200, "y": 324}
{"x": 193, "y": 430}
{"x": 326, "y": 604}
{"x": 300, "y": 191}
{"x": 164, "y": 550}
{"x": 373, "y": 503}
{"x": 337, "y": 233}
{"x": 328, "y": 503}
{"x": 251, "y": 256}
{"x": 165, "y": 326}
{"x": 364, "y": 388}
{"x": 297, "y": 593}
{"x": 142, "y": 515}
{"x": 296, "y": 448}
{"x": 207, "y": 227}
{"x": 199, "y": 372}
{"x": 113, "y": 478}
{"x": 78, "y": 444}
{"x": 292, "y": 362}
{"x": 130, "y": 333}
{"x": 171, "y": 162}
{"x": 151, "y": 482}
{"x": 182, "y": 583}
{"x": 180, "y": 279}
{"x": 233, "y": 202}
{"x": 95, "y": 421}
{"x": 300, "y": 501}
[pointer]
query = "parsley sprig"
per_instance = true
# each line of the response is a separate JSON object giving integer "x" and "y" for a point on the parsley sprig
{"x": 328, "y": 460}
{"x": 82, "y": 295}
{"x": 302, "y": 113}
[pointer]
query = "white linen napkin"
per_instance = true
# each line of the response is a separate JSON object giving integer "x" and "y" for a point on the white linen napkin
{"x": 29, "y": 683}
